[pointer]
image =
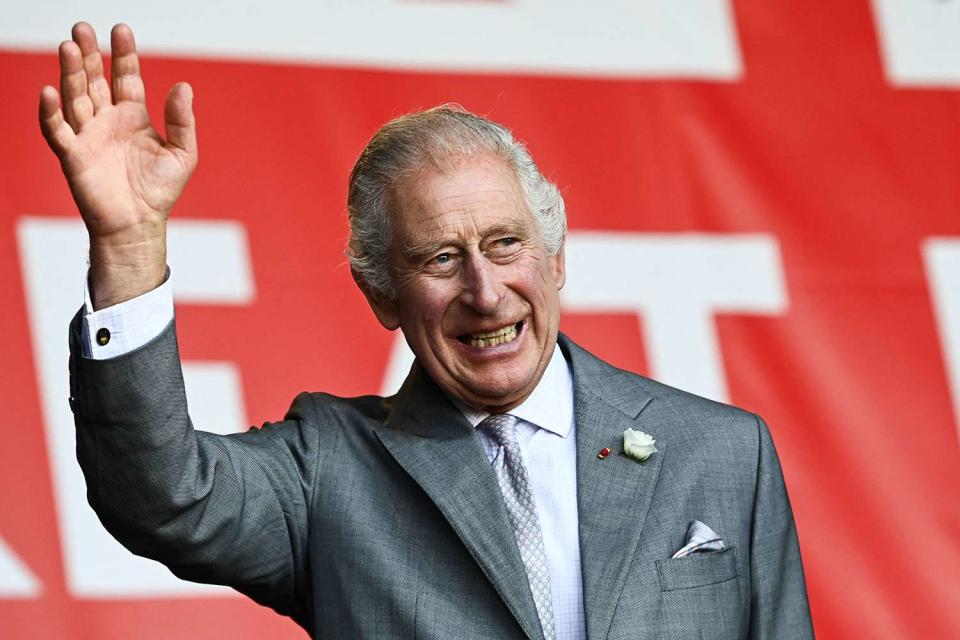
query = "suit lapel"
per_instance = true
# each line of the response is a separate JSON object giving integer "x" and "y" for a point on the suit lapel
{"x": 614, "y": 494}
{"x": 435, "y": 444}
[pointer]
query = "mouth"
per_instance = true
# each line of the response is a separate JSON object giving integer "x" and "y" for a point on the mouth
{"x": 494, "y": 338}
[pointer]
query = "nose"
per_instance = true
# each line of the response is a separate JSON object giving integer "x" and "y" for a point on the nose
{"x": 482, "y": 289}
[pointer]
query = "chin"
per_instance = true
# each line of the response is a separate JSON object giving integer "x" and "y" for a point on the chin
{"x": 498, "y": 393}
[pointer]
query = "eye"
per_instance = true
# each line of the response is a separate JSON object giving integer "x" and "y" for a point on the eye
{"x": 503, "y": 248}
{"x": 442, "y": 263}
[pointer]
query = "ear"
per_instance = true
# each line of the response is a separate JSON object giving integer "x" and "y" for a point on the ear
{"x": 559, "y": 267}
{"x": 383, "y": 307}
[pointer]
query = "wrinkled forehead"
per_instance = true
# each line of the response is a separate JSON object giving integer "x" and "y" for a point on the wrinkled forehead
{"x": 465, "y": 197}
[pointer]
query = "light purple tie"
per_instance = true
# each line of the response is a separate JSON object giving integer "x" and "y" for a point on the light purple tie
{"x": 515, "y": 487}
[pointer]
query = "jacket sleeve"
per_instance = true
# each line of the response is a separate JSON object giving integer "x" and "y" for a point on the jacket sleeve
{"x": 779, "y": 609}
{"x": 228, "y": 510}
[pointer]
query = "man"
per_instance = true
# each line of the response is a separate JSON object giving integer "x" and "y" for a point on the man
{"x": 489, "y": 497}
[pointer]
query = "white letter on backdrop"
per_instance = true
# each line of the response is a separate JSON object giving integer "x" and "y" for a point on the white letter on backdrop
{"x": 53, "y": 254}
{"x": 677, "y": 282}
{"x": 942, "y": 257}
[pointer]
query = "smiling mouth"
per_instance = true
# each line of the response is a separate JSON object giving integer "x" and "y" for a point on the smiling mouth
{"x": 495, "y": 338}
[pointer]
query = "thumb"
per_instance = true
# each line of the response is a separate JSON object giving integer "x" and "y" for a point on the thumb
{"x": 178, "y": 120}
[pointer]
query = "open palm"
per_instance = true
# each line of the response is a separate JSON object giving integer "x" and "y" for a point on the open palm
{"x": 123, "y": 175}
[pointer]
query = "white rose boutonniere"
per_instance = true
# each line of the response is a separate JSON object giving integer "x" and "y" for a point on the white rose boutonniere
{"x": 638, "y": 445}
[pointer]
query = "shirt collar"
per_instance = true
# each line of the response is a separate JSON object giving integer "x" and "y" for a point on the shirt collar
{"x": 549, "y": 406}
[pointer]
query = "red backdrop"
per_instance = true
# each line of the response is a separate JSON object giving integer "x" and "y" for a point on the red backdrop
{"x": 811, "y": 145}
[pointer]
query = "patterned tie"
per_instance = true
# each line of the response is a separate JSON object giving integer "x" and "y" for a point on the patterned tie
{"x": 515, "y": 487}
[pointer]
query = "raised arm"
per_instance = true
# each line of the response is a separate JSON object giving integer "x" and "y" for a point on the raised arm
{"x": 222, "y": 509}
{"x": 124, "y": 176}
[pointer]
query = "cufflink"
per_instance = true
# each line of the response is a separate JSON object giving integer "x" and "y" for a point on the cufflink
{"x": 103, "y": 336}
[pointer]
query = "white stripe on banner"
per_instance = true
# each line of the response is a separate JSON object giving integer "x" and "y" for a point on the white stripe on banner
{"x": 645, "y": 38}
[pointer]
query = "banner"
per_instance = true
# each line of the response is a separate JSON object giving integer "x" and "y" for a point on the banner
{"x": 764, "y": 208}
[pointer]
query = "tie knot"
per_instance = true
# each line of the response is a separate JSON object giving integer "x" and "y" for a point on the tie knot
{"x": 501, "y": 427}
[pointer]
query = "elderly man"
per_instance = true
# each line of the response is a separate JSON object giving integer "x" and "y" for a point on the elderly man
{"x": 489, "y": 498}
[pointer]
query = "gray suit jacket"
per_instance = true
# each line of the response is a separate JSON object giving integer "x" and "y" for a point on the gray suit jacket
{"x": 381, "y": 518}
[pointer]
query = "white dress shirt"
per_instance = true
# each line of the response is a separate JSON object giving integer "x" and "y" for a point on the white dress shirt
{"x": 546, "y": 434}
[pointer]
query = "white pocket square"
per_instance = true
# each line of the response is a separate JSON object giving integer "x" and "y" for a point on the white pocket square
{"x": 700, "y": 538}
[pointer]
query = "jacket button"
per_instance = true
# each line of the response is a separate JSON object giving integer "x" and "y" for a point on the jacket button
{"x": 103, "y": 336}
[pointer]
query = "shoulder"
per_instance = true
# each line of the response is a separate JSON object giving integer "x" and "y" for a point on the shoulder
{"x": 317, "y": 419}
{"x": 680, "y": 418}
{"x": 328, "y": 414}
{"x": 340, "y": 408}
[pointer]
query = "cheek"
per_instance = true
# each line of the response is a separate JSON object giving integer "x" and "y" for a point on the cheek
{"x": 543, "y": 296}
{"x": 540, "y": 286}
{"x": 426, "y": 308}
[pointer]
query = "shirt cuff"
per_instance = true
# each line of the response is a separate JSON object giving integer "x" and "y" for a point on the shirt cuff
{"x": 124, "y": 327}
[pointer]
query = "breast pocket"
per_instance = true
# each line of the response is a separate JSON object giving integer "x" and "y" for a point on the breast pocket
{"x": 698, "y": 570}
{"x": 702, "y": 597}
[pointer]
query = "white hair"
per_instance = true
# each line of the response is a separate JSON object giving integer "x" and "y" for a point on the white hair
{"x": 434, "y": 138}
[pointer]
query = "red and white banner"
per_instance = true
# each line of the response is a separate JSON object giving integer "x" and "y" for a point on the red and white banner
{"x": 764, "y": 204}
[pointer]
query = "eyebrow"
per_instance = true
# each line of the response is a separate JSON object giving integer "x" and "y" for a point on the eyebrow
{"x": 417, "y": 251}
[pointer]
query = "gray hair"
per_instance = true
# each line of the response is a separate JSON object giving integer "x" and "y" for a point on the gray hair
{"x": 434, "y": 138}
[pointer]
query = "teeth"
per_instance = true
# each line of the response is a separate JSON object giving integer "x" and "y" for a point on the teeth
{"x": 496, "y": 334}
{"x": 494, "y": 338}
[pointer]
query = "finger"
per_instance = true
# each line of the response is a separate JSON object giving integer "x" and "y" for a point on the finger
{"x": 178, "y": 119}
{"x": 55, "y": 129}
{"x": 125, "y": 66}
{"x": 97, "y": 88}
{"x": 77, "y": 107}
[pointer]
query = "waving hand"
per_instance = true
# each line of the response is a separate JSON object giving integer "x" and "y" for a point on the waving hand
{"x": 124, "y": 176}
